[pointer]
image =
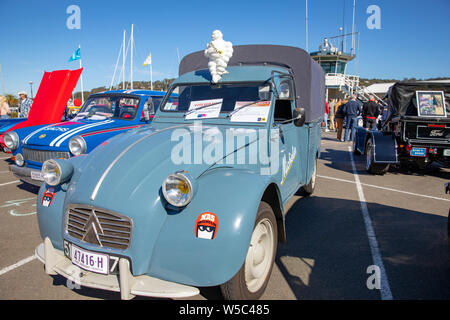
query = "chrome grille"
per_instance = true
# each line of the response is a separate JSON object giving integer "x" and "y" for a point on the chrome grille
{"x": 42, "y": 155}
{"x": 99, "y": 227}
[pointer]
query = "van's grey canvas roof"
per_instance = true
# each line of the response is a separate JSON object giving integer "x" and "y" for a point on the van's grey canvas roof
{"x": 308, "y": 75}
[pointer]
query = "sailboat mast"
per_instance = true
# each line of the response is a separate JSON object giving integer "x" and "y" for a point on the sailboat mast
{"x": 132, "y": 45}
{"x": 81, "y": 78}
{"x": 151, "y": 77}
{"x": 123, "y": 61}
{"x": 353, "y": 28}
{"x": 307, "y": 26}
{"x": 343, "y": 29}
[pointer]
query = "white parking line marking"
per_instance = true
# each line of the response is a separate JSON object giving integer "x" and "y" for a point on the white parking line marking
{"x": 385, "y": 290}
{"x": 17, "y": 265}
{"x": 6, "y": 183}
{"x": 4, "y": 171}
{"x": 4, "y": 158}
{"x": 385, "y": 188}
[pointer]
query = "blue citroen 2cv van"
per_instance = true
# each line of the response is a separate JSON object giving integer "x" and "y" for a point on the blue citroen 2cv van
{"x": 197, "y": 198}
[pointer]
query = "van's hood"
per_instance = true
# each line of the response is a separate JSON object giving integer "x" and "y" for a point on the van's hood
{"x": 143, "y": 158}
{"x": 58, "y": 135}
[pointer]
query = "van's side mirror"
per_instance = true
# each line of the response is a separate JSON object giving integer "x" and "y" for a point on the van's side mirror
{"x": 299, "y": 117}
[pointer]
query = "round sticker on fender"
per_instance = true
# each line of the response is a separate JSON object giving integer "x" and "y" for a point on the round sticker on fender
{"x": 48, "y": 196}
{"x": 206, "y": 226}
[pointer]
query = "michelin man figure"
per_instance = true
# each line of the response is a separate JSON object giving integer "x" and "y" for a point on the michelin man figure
{"x": 219, "y": 52}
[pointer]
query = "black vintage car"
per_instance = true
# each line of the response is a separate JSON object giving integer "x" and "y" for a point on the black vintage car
{"x": 416, "y": 128}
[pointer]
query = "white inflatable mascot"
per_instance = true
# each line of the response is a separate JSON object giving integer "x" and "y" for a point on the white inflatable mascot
{"x": 219, "y": 52}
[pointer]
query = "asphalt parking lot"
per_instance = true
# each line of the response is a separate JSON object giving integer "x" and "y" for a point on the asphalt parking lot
{"x": 353, "y": 221}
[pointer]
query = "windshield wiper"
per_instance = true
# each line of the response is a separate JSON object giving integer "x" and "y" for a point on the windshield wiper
{"x": 244, "y": 106}
{"x": 199, "y": 108}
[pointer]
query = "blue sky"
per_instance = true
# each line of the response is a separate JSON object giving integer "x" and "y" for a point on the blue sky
{"x": 412, "y": 41}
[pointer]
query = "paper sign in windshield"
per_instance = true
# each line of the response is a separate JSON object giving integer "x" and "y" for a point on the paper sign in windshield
{"x": 204, "y": 111}
{"x": 257, "y": 112}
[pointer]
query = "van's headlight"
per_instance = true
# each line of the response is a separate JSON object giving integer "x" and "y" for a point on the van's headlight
{"x": 55, "y": 171}
{"x": 77, "y": 145}
{"x": 178, "y": 189}
{"x": 11, "y": 140}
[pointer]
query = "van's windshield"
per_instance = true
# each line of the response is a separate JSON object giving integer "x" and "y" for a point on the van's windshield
{"x": 208, "y": 101}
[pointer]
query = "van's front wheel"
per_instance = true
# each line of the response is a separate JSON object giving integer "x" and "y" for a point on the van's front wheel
{"x": 251, "y": 280}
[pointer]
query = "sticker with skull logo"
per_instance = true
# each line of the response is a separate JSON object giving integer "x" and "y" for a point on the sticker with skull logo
{"x": 47, "y": 198}
{"x": 206, "y": 226}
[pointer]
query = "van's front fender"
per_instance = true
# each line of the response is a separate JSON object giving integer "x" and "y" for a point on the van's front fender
{"x": 233, "y": 196}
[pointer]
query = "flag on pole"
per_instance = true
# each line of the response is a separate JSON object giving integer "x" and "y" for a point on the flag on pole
{"x": 76, "y": 55}
{"x": 148, "y": 60}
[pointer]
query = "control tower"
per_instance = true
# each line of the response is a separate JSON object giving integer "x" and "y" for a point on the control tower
{"x": 334, "y": 61}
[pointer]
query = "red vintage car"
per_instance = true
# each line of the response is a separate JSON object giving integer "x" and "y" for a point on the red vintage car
{"x": 50, "y": 102}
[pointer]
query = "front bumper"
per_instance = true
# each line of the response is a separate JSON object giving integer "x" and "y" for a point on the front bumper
{"x": 24, "y": 174}
{"x": 125, "y": 283}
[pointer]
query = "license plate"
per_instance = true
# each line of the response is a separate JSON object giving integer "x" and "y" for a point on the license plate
{"x": 36, "y": 175}
{"x": 447, "y": 152}
{"x": 433, "y": 132}
{"x": 419, "y": 152}
{"x": 90, "y": 261}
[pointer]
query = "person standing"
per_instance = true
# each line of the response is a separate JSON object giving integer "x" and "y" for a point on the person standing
{"x": 25, "y": 104}
{"x": 4, "y": 108}
{"x": 339, "y": 115}
{"x": 370, "y": 113}
{"x": 325, "y": 116}
{"x": 352, "y": 110}
{"x": 331, "y": 114}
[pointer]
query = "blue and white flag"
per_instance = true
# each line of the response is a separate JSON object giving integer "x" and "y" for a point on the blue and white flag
{"x": 76, "y": 55}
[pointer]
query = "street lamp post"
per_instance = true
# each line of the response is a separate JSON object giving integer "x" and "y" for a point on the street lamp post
{"x": 31, "y": 86}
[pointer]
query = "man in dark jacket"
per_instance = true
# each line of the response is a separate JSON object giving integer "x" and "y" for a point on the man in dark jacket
{"x": 370, "y": 113}
{"x": 352, "y": 110}
{"x": 340, "y": 116}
